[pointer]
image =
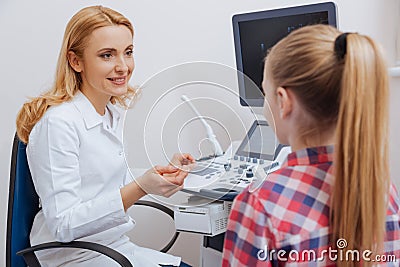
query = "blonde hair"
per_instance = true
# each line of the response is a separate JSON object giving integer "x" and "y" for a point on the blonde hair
{"x": 351, "y": 92}
{"x": 67, "y": 81}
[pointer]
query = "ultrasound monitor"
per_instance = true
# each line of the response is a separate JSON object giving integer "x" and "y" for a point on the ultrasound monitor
{"x": 256, "y": 32}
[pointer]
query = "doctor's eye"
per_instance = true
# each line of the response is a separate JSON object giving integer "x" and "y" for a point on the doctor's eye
{"x": 106, "y": 55}
{"x": 129, "y": 52}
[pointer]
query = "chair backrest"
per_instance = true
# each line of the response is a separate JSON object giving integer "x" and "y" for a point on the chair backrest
{"x": 23, "y": 205}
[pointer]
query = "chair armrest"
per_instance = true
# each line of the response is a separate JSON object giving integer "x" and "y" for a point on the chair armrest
{"x": 167, "y": 211}
{"x": 32, "y": 261}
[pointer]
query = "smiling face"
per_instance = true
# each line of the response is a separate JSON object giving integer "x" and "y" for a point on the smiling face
{"x": 106, "y": 65}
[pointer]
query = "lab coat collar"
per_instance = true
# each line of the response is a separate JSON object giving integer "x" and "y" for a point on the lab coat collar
{"x": 115, "y": 112}
{"x": 115, "y": 119}
{"x": 89, "y": 113}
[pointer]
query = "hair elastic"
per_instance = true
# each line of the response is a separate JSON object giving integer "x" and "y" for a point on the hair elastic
{"x": 340, "y": 45}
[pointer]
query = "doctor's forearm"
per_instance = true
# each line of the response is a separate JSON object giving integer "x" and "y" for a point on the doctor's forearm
{"x": 131, "y": 193}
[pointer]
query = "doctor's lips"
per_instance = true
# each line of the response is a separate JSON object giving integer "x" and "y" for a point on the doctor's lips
{"x": 118, "y": 80}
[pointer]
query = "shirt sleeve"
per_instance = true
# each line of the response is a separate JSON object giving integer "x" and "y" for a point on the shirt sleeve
{"x": 249, "y": 233}
{"x": 53, "y": 157}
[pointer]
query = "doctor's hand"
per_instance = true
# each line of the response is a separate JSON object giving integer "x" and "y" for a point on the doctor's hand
{"x": 183, "y": 161}
{"x": 163, "y": 180}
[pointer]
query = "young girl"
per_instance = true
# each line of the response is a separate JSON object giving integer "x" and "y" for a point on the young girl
{"x": 332, "y": 202}
{"x": 75, "y": 149}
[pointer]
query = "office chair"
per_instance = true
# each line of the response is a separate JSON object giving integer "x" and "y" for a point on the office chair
{"x": 23, "y": 205}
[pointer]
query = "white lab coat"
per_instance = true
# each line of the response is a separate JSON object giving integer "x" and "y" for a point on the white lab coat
{"x": 76, "y": 158}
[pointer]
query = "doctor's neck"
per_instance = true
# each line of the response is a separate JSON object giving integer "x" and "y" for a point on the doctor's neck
{"x": 99, "y": 101}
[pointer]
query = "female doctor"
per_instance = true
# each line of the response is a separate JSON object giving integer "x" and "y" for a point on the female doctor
{"x": 75, "y": 149}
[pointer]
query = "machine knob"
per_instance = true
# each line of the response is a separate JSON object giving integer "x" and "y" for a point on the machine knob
{"x": 249, "y": 173}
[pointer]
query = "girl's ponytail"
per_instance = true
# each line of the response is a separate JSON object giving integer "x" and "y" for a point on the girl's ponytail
{"x": 361, "y": 163}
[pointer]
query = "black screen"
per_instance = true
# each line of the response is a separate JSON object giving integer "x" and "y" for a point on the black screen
{"x": 254, "y": 45}
{"x": 257, "y": 32}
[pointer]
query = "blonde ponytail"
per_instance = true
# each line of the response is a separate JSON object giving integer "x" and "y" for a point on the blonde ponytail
{"x": 361, "y": 163}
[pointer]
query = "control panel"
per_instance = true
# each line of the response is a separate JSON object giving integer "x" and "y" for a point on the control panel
{"x": 224, "y": 177}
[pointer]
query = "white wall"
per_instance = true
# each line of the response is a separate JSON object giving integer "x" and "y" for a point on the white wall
{"x": 167, "y": 33}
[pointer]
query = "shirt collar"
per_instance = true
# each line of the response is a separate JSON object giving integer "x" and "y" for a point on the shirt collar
{"x": 310, "y": 156}
{"x": 89, "y": 113}
{"x": 115, "y": 115}
{"x": 115, "y": 112}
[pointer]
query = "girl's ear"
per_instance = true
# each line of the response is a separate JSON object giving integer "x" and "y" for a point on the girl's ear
{"x": 74, "y": 61}
{"x": 285, "y": 102}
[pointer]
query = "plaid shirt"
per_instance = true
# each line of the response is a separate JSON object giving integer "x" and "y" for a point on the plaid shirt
{"x": 287, "y": 218}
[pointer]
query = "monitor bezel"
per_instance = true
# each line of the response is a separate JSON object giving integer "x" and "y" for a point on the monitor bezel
{"x": 247, "y": 154}
{"x": 329, "y": 7}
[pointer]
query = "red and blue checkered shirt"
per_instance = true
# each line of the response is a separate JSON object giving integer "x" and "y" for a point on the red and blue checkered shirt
{"x": 286, "y": 220}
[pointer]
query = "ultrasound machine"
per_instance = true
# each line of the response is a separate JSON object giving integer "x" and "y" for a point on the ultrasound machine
{"x": 223, "y": 176}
